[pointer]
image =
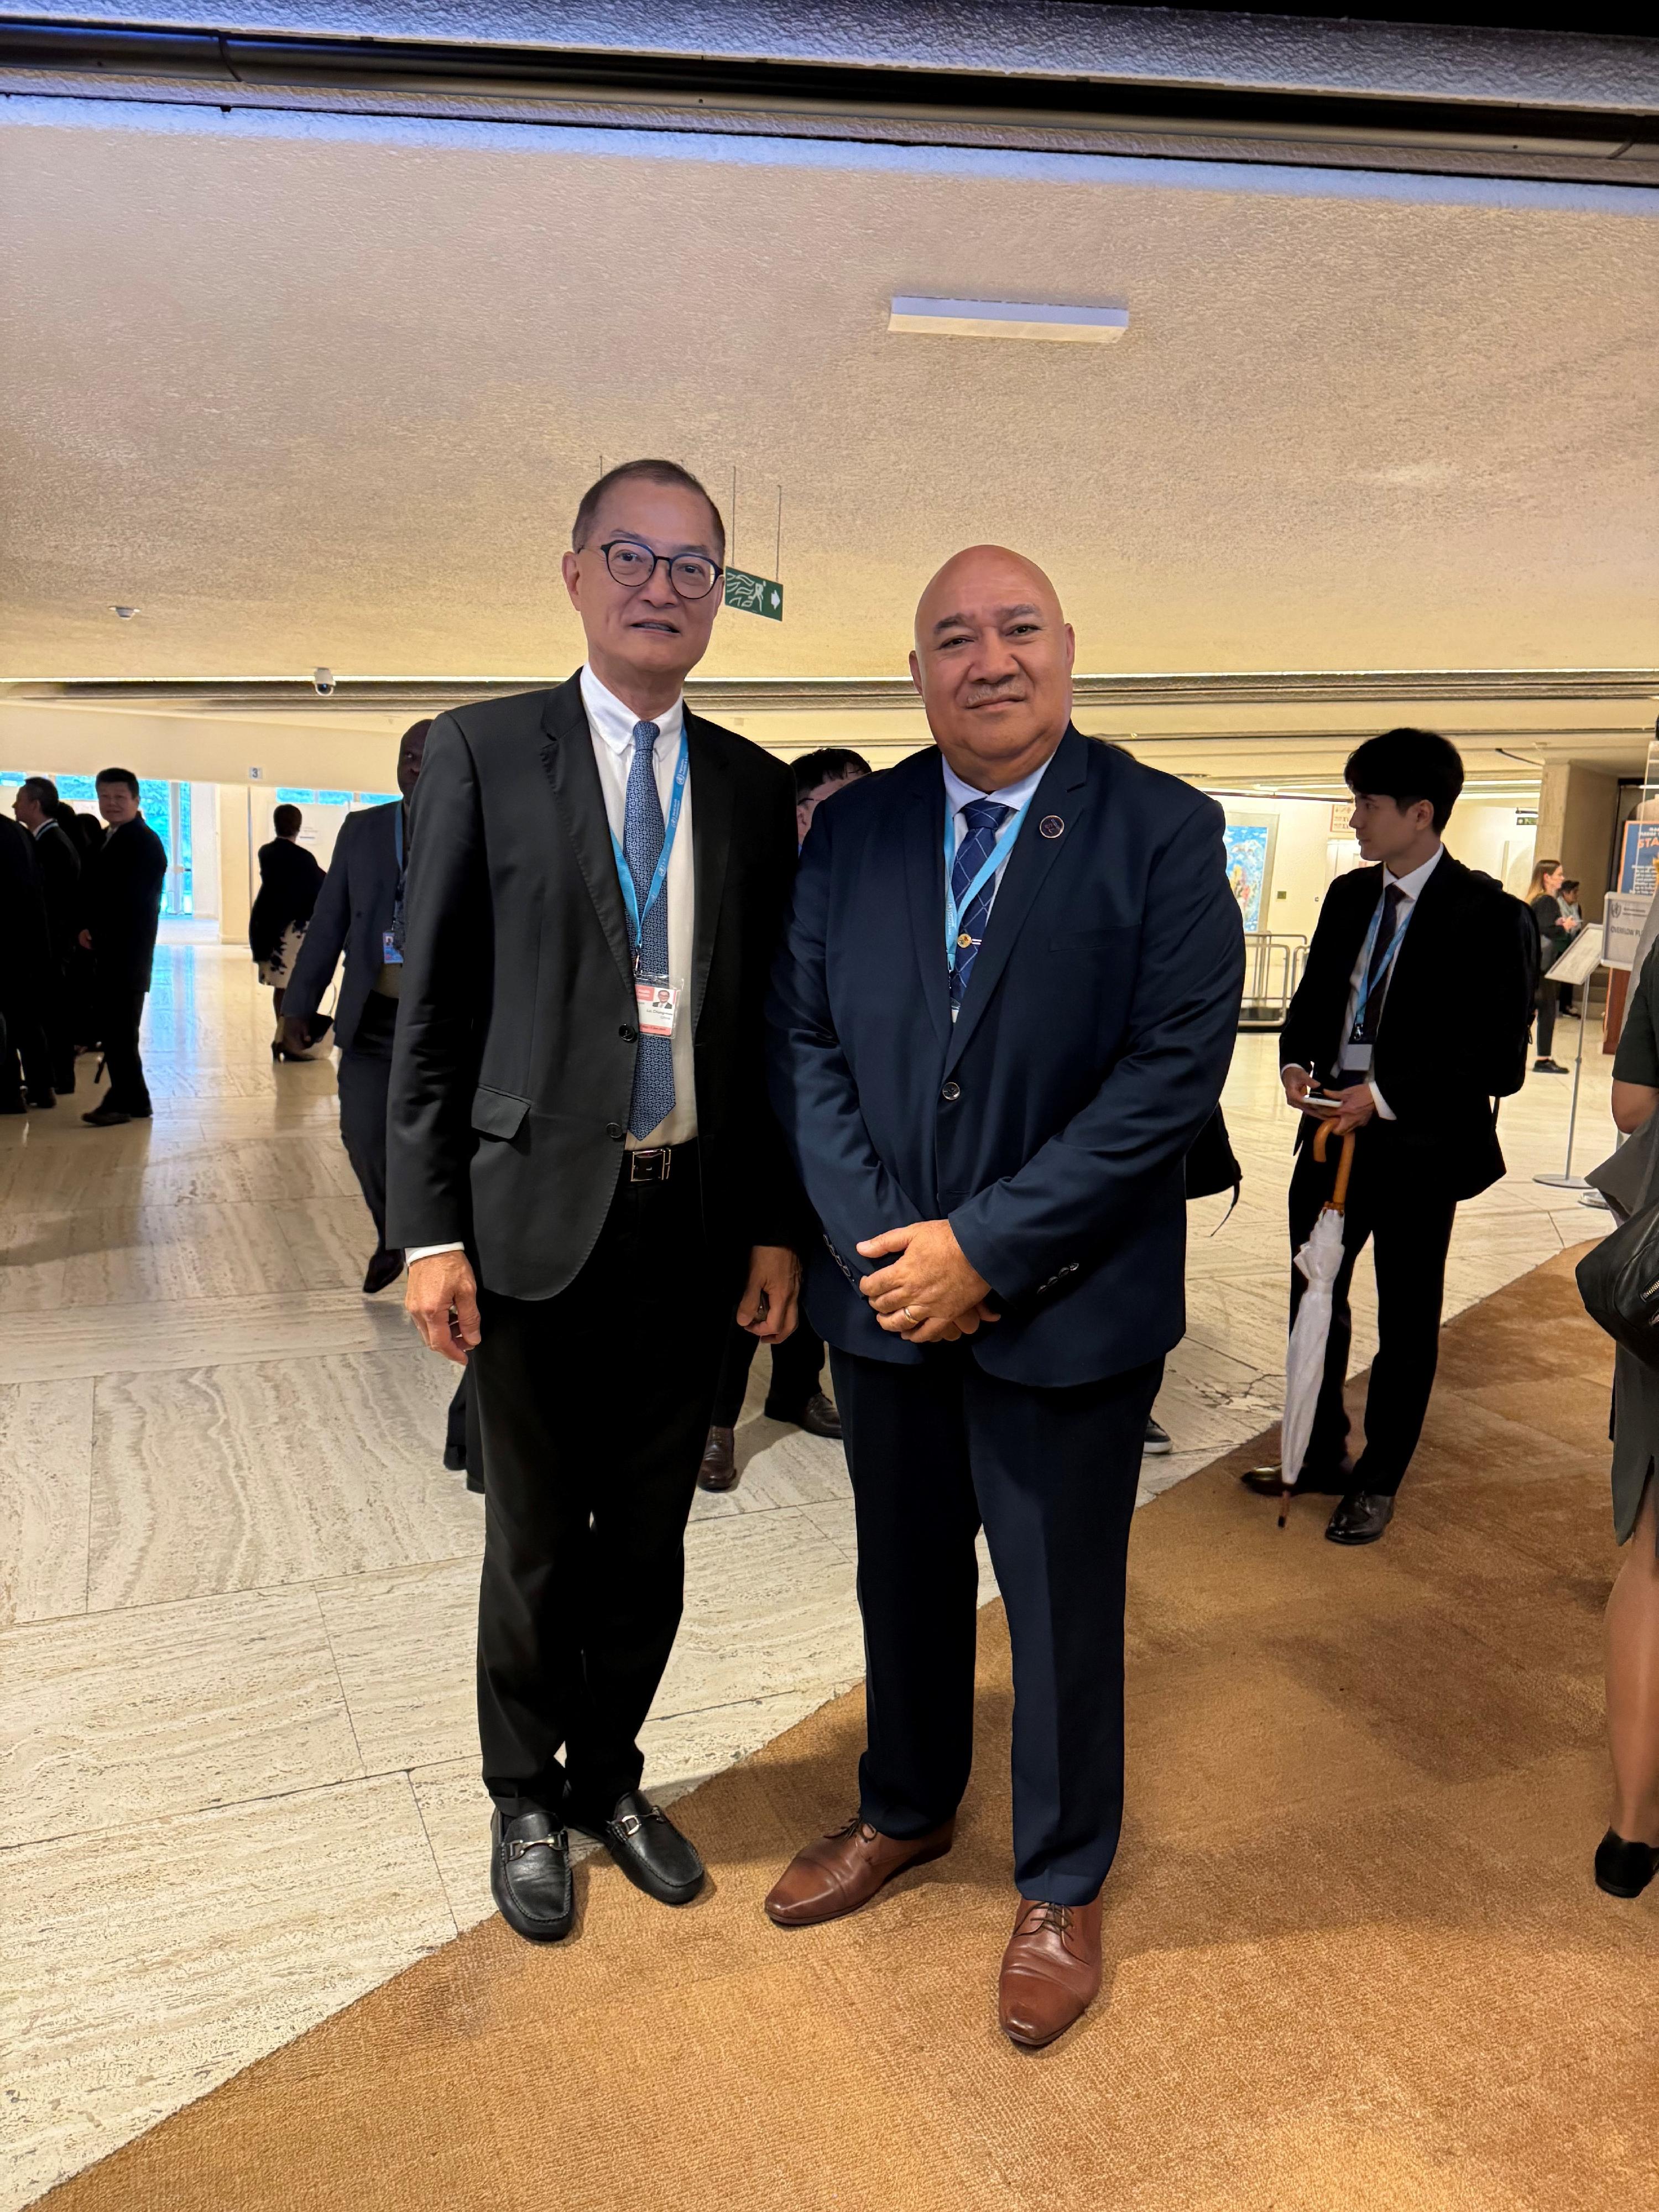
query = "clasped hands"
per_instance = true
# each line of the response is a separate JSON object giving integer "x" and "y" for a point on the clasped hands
{"x": 930, "y": 1293}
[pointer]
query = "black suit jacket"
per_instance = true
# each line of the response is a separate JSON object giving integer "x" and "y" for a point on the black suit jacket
{"x": 351, "y": 915}
{"x": 1452, "y": 1038}
{"x": 121, "y": 891}
{"x": 514, "y": 1064}
{"x": 59, "y": 865}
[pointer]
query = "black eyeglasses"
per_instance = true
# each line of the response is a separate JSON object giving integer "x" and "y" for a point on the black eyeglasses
{"x": 693, "y": 575}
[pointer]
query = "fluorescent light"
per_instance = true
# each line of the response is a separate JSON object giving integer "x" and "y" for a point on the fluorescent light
{"x": 1007, "y": 318}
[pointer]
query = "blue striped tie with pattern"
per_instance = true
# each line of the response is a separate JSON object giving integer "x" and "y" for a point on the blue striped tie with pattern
{"x": 642, "y": 834}
{"x": 981, "y": 819}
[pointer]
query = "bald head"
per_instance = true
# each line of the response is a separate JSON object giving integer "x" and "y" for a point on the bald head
{"x": 993, "y": 662}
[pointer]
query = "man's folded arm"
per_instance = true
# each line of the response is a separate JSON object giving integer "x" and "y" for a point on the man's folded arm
{"x": 325, "y": 938}
{"x": 1087, "y": 1184}
{"x": 812, "y": 1090}
{"x": 447, "y": 960}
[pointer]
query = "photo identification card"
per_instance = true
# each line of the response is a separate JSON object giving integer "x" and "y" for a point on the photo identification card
{"x": 656, "y": 1001}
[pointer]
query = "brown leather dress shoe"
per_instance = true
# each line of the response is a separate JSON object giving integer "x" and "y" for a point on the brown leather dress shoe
{"x": 1050, "y": 1971}
{"x": 719, "y": 1470}
{"x": 837, "y": 1874}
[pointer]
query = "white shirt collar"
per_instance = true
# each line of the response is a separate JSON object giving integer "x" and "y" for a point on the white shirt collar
{"x": 959, "y": 794}
{"x": 609, "y": 718}
{"x": 1413, "y": 884}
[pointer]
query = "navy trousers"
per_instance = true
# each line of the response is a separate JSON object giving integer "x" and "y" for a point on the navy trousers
{"x": 934, "y": 1451}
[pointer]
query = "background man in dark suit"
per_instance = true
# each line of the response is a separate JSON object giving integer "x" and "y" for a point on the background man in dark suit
{"x": 121, "y": 890}
{"x": 1412, "y": 1016}
{"x": 1003, "y": 1013}
{"x": 359, "y": 912}
{"x": 59, "y": 863}
{"x": 25, "y": 977}
{"x": 794, "y": 1394}
{"x": 583, "y": 1167}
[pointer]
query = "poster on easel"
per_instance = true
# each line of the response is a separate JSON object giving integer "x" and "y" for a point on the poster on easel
{"x": 1249, "y": 846}
{"x": 1638, "y": 859}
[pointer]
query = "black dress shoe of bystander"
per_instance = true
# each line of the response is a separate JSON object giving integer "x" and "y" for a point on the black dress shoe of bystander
{"x": 1360, "y": 1518}
{"x": 530, "y": 1875}
{"x": 106, "y": 1117}
{"x": 648, "y": 1847}
{"x": 383, "y": 1270}
{"x": 817, "y": 1416}
{"x": 1622, "y": 1868}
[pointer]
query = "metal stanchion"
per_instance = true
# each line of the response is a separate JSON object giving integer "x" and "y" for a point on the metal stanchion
{"x": 1567, "y": 1180}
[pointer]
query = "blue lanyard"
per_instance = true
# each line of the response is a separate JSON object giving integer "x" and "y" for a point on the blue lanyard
{"x": 987, "y": 867}
{"x": 625, "y": 874}
{"x": 1366, "y": 980}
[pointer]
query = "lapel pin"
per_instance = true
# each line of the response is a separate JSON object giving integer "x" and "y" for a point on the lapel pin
{"x": 1051, "y": 825}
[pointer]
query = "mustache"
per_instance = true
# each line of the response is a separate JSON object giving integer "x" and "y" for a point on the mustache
{"x": 1004, "y": 687}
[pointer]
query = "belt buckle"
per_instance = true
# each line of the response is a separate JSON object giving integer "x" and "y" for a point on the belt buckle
{"x": 654, "y": 1164}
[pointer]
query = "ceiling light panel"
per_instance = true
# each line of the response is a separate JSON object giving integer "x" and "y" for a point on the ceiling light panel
{"x": 1007, "y": 318}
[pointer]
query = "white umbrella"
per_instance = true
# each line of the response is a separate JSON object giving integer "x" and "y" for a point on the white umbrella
{"x": 1321, "y": 1262}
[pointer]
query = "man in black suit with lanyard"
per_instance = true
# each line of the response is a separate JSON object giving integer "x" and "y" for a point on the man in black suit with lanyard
{"x": 584, "y": 1170}
{"x": 1409, "y": 1024}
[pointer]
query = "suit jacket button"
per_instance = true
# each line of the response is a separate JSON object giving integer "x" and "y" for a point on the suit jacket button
{"x": 615, "y": 1131}
{"x": 950, "y": 1093}
{"x": 628, "y": 1033}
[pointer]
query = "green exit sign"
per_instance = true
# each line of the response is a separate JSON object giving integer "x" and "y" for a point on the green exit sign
{"x": 754, "y": 595}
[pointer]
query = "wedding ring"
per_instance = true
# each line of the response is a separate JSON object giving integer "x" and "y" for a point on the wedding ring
{"x": 915, "y": 1320}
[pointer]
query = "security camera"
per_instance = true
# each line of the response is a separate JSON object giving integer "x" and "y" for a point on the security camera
{"x": 322, "y": 682}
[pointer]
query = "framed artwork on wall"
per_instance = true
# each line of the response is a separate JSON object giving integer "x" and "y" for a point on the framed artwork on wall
{"x": 1249, "y": 846}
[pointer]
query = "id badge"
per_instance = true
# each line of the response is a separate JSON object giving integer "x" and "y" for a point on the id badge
{"x": 390, "y": 951}
{"x": 658, "y": 1001}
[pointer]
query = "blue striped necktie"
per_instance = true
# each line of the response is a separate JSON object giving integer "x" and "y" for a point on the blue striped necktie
{"x": 642, "y": 834}
{"x": 981, "y": 819}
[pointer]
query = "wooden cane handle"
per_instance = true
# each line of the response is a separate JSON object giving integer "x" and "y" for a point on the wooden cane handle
{"x": 1339, "y": 1197}
{"x": 1320, "y": 1136}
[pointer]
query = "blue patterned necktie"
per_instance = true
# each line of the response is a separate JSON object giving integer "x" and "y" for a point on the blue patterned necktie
{"x": 642, "y": 834}
{"x": 981, "y": 819}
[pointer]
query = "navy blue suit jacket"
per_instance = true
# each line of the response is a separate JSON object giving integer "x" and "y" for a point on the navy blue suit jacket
{"x": 1050, "y": 1124}
{"x": 353, "y": 911}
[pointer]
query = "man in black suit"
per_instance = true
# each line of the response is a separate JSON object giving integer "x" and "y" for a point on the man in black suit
{"x": 121, "y": 893}
{"x": 1002, "y": 1018}
{"x": 59, "y": 863}
{"x": 359, "y": 911}
{"x": 1410, "y": 1023}
{"x": 583, "y": 1168}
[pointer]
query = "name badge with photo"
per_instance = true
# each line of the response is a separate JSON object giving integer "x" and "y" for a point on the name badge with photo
{"x": 657, "y": 1002}
{"x": 391, "y": 952}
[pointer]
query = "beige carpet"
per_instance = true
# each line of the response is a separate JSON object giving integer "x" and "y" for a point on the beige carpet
{"x": 1355, "y": 1961}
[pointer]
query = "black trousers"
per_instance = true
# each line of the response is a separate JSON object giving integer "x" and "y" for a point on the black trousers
{"x": 591, "y": 1411}
{"x": 796, "y": 1372}
{"x": 1547, "y": 996}
{"x": 57, "y": 1018}
{"x": 1410, "y": 1228}
{"x": 25, "y": 1041}
{"x": 933, "y": 1451}
{"x": 365, "y": 1076}
{"x": 119, "y": 1010}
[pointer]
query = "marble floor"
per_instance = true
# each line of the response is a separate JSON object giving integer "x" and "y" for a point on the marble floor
{"x": 238, "y": 1780}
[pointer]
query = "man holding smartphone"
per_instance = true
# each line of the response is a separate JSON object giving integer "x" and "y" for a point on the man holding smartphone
{"x": 1409, "y": 1024}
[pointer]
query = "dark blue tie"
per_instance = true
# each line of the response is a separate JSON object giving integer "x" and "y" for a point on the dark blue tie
{"x": 642, "y": 834}
{"x": 981, "y": 819}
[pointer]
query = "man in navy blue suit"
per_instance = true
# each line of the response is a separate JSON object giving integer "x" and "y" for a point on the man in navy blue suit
{"x": 1004, "y": 1010}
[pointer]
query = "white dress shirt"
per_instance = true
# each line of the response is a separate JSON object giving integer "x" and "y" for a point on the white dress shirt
{"x": 610, "y": 725}
{"x": 1351, "y": 1056}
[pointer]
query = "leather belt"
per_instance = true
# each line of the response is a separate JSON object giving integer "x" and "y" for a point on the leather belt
{"x": 655, "y": 1163}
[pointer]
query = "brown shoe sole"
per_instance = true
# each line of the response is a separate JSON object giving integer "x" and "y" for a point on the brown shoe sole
{"x": 842, "y": 1912}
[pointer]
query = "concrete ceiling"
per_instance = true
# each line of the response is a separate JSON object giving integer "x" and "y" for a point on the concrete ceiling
{"x": 321, "y": 390}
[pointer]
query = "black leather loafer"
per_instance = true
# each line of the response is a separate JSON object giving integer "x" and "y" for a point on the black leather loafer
{"x": 1266, "y": 1483}
{"x": 1360, "y": 1518}
{"x": 383, "y": 1270}
{"x": 530, "y": 1876}
{"x": 106, "y": 1117}
{"x": 817, "y": 1416}
{"x": 648, "y": 1847}
{"x": 1625, "y": 1869}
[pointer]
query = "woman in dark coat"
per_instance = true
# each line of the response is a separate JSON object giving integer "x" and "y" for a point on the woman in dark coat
{"x": 1555, "y": 932}
{"x": 290, "y": 880}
